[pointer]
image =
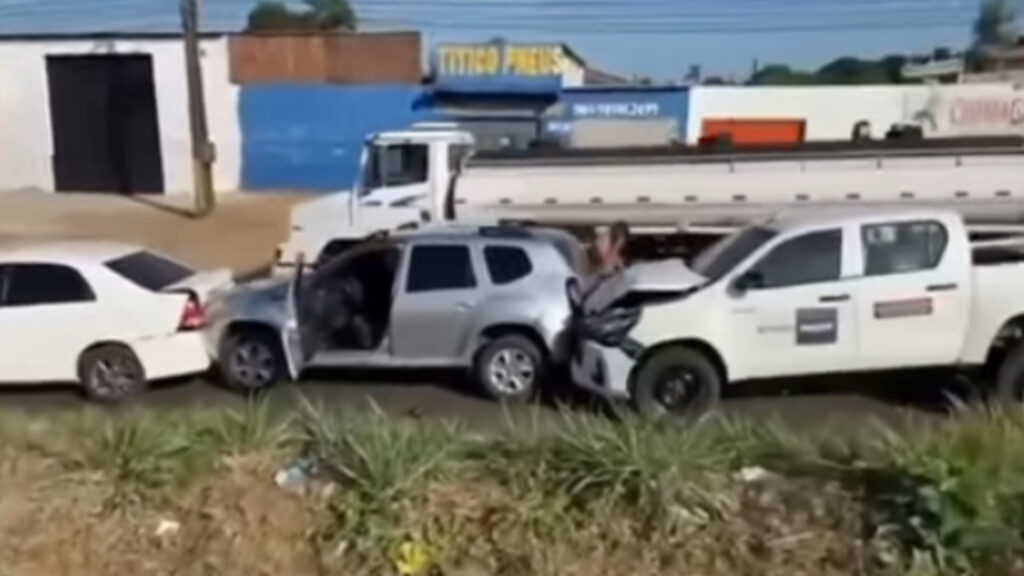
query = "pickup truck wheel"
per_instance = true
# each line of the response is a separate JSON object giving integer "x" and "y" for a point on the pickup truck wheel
{"x": 111, "y": 374}
{"x": 1010, "y": 380}
{"x": 510, "y": 368}
{"x": 676, "y": 381}
{"x": 251, "y": 361}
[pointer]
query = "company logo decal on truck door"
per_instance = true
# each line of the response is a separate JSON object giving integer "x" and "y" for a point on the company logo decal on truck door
{"x": 903, "y": 308}
{"x": 815, "y": 326}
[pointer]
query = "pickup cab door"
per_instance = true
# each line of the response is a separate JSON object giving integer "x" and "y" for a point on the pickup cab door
{"x": 913, "y": 293}
{"x": 792, "y": 312}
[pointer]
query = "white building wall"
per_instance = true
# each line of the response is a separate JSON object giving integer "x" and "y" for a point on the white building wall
{"x": 26, "y": 143}
{"x": 830, "y": 112}
{"x": 573, "y": 71}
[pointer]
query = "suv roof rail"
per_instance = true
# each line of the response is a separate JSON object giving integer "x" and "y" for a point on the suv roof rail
{"x": 505, "y": 231}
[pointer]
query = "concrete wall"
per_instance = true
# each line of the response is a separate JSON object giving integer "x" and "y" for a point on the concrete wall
{"x": 26, "y": 139}
{"x": 832, "y": 111}
{"x": 309, "y": 137}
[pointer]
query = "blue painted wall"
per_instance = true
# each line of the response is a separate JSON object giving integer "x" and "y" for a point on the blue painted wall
{"x": 618, "y": 103}
{"x": 309, "y": 137}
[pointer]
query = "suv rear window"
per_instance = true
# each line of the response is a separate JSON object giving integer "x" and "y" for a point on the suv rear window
{"x": 506, "y": 264}
{"x": 149, "y": 270}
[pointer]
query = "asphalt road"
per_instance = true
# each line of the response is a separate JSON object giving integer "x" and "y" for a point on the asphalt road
{"x": 826, "y": 406}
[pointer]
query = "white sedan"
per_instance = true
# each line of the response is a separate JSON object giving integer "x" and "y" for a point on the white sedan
{"x": 109, "y": 316}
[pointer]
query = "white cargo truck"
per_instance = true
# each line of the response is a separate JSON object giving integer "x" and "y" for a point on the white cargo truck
{"x": 669, "y": 196}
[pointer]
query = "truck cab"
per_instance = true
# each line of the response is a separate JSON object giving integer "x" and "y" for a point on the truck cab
{"x": 403, "y": 179}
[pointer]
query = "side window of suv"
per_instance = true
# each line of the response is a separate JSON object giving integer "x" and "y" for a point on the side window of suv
{"x": 807, "y": 259}
{"x": 37, "y": 284}
{"x": 440, "y": 267}
{"x": 902, "y": 247}
{"x": 506, "y": 264}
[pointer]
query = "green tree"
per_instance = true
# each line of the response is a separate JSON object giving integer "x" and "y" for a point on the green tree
{"x": 995, "y": 26}
{"x": 849, "y": 70}
{"x": 318, "y": 15}
{"x": 780, "y": 75}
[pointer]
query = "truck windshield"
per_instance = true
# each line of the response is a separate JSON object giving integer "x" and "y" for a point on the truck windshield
{"x": 394, "y": 165}
{"x": 725, "y": 255}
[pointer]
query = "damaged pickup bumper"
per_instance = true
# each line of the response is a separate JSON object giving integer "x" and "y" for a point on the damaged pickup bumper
{"x": 603, "y": 370}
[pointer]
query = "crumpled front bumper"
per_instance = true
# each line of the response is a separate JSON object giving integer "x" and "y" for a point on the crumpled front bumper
{"x": 603, "y": 370}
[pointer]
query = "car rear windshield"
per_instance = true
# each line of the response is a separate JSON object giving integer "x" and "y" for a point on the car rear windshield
{"x": 149, "y": 270}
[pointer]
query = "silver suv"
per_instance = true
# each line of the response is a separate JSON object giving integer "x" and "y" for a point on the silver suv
{"x": 491, "y": 300}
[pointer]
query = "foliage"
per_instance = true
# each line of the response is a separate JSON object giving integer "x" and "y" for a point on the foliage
{"x": 142, "y": 452}
{"x": 379, "y": 464}
{"x": 936, "y": 498}
{"x": 316, "y": 16}
{"x": 995, "y": 26}
{"x": 843, "y": 71}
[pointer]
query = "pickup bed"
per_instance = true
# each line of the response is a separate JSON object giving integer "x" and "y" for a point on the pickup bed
{"x": 817, "y": 294}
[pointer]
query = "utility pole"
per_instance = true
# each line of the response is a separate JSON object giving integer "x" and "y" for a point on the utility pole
{"x": 202, "y": 149}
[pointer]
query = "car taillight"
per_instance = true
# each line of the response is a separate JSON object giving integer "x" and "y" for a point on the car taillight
{"x": 192, "y": 317}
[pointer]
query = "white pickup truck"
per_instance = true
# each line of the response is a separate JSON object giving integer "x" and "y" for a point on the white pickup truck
{"x": 673, "y": 198}
{"x": 802, "y": 296}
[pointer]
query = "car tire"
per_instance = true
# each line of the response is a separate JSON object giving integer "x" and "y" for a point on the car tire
{"x": 676, "y": 381}
{"x": 111, "y": 374}
{"x": 251, "y": 361}
{"x": 1010, "y": 379}
{"x": 510, "y": 369}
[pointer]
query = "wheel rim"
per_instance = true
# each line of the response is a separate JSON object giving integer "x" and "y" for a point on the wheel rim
{"x": 252, "y": 364}
{"x": 114, "y": 376}
{"x": 511, "y": 371}
{"x": 676, "y": 389}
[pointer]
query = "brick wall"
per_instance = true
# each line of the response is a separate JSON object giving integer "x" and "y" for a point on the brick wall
{"x": 334, "y": 58}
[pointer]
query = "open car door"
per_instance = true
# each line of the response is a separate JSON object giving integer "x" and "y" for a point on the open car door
{"x": 306, "y": 327}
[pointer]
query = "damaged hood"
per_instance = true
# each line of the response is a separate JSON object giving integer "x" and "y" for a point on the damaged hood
{"x": 660, "y": 276}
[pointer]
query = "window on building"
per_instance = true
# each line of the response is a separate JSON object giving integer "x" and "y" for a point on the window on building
{"x": 903, "y": 247}
{"x": 440, "y": 267}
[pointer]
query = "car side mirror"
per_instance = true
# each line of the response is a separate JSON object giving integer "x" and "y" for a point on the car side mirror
{"x": 749, "y": 280}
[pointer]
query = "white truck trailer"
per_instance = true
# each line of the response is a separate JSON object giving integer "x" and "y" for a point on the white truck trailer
{"x": 670, "y": 197}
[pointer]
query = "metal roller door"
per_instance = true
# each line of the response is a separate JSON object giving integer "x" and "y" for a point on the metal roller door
{"x": 604, "y": 133}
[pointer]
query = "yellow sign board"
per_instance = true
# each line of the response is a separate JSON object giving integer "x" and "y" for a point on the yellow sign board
{"x": 499, "y": 60}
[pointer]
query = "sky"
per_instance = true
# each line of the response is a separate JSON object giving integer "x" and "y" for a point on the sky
{"x": 657, "y": 38}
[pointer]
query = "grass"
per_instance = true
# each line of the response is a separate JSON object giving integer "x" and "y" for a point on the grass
{"x": 410, "y": 496}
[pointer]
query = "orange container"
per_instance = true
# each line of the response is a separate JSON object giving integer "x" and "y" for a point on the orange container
{"x": 755, "y": 131}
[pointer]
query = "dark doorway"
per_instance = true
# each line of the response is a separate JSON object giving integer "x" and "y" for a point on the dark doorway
{"x": 106, "y": 137}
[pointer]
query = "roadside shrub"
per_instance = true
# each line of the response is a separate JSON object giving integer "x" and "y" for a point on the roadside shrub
{"x": 380, "y": 465}
{"x": 143, "y": 452}
{"x": 950, "y": 496}
{"x": 597, "y": 465}
{"x": 253, "y": 427}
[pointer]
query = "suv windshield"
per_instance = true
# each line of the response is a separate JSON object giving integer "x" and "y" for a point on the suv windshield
{"x": 719, "y": 259}
{"x": 149, "y": 270}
